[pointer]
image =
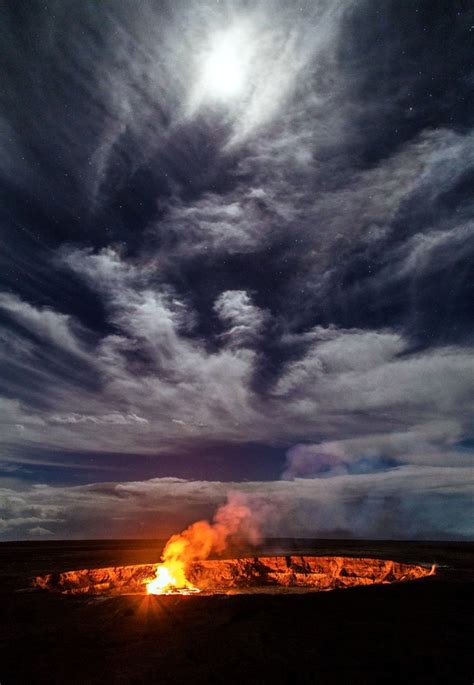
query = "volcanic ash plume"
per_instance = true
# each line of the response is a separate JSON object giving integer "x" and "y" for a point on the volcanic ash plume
{"x": 233, "y": 522}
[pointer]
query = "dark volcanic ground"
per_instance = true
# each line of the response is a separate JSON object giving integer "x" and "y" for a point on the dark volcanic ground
{"x": 417, "y": 632}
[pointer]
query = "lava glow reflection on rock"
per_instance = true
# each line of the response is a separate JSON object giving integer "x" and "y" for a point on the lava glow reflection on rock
{"x": 270, "y": 574}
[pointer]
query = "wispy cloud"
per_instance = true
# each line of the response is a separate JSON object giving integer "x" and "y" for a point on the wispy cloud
{"x": 407, "y": 502}
{"x": 150, "y": 371}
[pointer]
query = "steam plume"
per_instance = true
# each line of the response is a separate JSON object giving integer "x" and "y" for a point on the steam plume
{"x": 233, "y": 522}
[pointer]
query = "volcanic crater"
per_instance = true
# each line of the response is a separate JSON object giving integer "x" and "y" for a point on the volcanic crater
{"x": 248, "y": 575}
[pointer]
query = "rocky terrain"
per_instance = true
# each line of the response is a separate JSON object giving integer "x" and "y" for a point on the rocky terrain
{"x": 402, "y": 632}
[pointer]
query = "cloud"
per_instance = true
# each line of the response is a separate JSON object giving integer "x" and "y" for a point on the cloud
{"x": 359, "y": 371}
{"x": 39, "y": 531}
{"x": 140, "y": 100}
{"x": 44, "y": 323}
{"x": 409, "y": 501}
{"x": 150, "y": 371}
{"x": 238, "y": 222}
{"x": 107, "y": 419}
{"x": 244, "y": 319}
{"x": 430, "y": 444}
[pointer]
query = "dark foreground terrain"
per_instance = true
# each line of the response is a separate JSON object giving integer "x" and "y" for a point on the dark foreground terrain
{"x": 414, "y": 632}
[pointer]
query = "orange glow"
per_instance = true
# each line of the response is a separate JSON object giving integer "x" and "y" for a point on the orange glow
{"x": 232, "y": 521}
{"x": 170, "y": 578}
{"x": 245, "y": 574}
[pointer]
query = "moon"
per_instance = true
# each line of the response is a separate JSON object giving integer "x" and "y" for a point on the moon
{"x": 225, "y": 67}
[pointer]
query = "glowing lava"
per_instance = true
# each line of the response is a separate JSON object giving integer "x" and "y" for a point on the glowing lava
{"x": 166, "y": 582}
{"x": 248, "y": 575}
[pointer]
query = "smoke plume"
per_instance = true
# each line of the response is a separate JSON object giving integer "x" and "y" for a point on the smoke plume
{"x": 233, "y": 523}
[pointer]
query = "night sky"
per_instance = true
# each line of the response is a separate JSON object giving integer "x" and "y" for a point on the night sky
{"x": 237, "y": 245}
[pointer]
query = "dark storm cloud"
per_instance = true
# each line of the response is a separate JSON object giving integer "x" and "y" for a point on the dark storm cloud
{"x": 289, "y": 265}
